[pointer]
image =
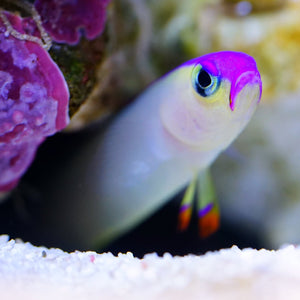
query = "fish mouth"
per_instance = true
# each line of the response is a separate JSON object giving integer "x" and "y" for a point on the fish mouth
{"x": 246, "y": 78}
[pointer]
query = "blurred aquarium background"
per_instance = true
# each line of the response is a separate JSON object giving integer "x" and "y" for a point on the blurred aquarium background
{"x": 257, "y": 179}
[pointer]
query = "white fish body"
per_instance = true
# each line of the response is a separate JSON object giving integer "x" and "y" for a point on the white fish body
{"x": 136, "y": 164}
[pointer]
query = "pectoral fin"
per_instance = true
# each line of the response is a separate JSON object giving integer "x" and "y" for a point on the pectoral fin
{"x": 208, "y": 208}
{"x": 186, "y": 207}
{"x": 207, "y": 205}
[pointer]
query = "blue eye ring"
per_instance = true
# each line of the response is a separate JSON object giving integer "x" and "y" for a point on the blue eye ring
{"x": 204, "y": 83}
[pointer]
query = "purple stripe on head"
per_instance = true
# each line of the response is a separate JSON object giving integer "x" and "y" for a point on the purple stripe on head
{"x": 202, "y": 212}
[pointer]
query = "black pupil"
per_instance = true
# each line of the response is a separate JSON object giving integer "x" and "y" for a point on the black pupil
{"x": 204, "y": 79}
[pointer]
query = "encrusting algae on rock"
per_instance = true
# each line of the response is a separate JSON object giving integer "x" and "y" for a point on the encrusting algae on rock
{"x": 34, "y": 96}
{"x": 33, "y": 101}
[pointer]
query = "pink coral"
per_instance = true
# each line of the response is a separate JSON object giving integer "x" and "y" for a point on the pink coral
{"x": 64, "y": 20}
{"x": 33, "y": 101}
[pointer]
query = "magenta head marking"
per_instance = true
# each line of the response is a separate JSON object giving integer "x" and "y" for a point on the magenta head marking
{"x": 239, "y": 68}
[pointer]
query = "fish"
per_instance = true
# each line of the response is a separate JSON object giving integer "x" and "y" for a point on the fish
{"x": 165, "y": 140}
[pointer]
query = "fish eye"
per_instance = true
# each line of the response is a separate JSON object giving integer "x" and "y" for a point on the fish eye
{"x": 204, "y": 83}
{"x": 204, "y": 79}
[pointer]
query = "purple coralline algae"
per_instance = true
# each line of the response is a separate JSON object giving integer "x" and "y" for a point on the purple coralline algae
{"x": 66, "y": 20}
{"x": 33, "y": 101}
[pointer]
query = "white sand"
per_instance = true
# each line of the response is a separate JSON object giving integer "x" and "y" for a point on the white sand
{"x": 29, "y": 272}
